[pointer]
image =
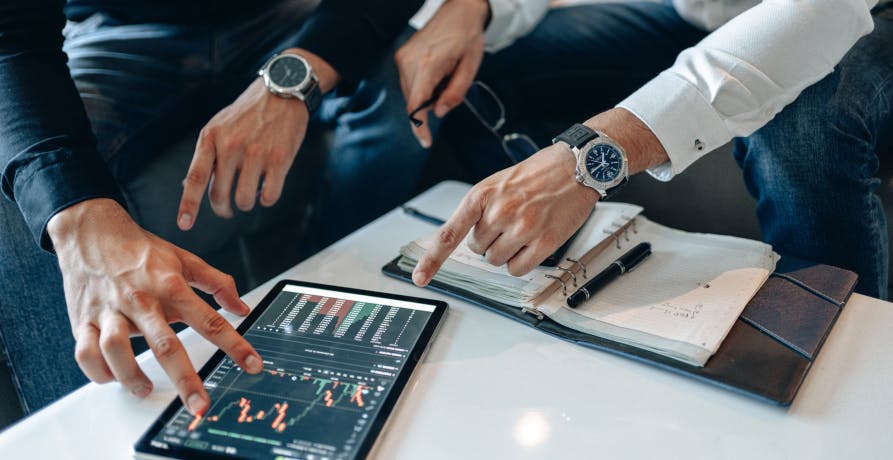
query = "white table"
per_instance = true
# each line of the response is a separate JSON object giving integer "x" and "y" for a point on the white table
{"x": 491, "y": 388}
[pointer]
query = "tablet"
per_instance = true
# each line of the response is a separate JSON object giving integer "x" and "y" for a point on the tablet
{"x": 335, "y": 362}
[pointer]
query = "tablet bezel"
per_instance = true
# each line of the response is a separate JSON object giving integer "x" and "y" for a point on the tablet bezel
{"x": 144, "y": 449}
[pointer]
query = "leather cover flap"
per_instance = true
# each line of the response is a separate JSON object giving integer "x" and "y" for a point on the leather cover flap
{"x": 833, "y": 282}
{"x": 795, "y": 316}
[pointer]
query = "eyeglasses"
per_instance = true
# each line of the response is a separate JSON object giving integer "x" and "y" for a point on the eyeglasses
{"x": 486, "y": 106}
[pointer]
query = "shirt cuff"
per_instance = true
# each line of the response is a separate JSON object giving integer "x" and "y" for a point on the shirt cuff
{"x": 684, "y": 121}
{"x": 54, "y": 187}
{"x": 502, "y": 15}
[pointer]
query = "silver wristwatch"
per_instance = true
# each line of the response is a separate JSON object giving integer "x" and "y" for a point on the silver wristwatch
{"x": 290, "y": 75}
{"x": 601, "y": 162}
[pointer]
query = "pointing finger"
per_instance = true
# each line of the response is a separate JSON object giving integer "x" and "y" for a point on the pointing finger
{"x": 451, "y": 234}
{"x": 196, "y": 181}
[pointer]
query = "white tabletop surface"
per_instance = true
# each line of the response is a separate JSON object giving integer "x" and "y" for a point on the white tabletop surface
{"x": 492, "y": 388}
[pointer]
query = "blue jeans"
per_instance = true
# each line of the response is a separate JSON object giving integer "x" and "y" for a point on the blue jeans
{"x": 812, "y": 169}
{"x": 375, "y": 163}
{"x": 148, "y": 89}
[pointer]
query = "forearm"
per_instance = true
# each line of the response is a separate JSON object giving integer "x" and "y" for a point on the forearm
{"x": 47, "y": 151}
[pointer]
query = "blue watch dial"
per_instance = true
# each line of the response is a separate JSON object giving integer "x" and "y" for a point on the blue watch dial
{"x": 604, "y": 163}
{"x": 287, "y": 72}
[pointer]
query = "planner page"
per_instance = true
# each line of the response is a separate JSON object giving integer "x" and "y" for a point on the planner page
{"x": 681, "y": 301}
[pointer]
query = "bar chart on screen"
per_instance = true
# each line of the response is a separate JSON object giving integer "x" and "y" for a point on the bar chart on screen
{"x": 359, "y": 321}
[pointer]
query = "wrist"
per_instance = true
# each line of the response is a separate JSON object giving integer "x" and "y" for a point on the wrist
{"x": 477, "y": 10}
{"x": 642, "y": 147}
{"x": 567, "y": 163}
{"x": 65, "y": 225}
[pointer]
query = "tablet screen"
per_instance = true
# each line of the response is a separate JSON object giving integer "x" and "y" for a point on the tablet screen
{"x": 334, "y": 363}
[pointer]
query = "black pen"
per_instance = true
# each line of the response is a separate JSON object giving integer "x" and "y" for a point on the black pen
{"x": 420, "y": 215}
{"x": 623, "y": 264}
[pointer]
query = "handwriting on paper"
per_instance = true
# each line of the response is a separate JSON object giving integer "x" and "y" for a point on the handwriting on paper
{"x": 683, "y": 312}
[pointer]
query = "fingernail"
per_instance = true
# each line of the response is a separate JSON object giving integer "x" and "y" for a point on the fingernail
{"x": 196, "y": 403}
{"x": 142, "y": 391}
{"x": 185, "y": 220}
{"x": 441, "y": 110}
{"x": 253, "y": 364}
{"x": 420, "y": 278}
{"x": 245, "y": 308}
{"x": 424, "y": 143}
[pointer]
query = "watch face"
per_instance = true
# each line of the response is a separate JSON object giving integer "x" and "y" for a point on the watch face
{"x": 287, "y": 71}
{"x": 604, "y": 162}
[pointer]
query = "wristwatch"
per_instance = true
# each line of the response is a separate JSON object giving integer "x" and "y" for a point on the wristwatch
{"x": 290, "y": 75}
{"x": 601, "y": 162}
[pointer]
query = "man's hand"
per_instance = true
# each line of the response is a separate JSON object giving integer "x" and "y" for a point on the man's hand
{"x": 121, "y": 280}
{"x": 450, "y": 46}
{"x": 519, "y": 215}
{"x": 522, "y": 214}
{"x": 256, "y": 137}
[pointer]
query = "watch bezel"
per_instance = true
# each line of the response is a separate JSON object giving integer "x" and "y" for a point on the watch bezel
{"x": 296, "y": 90}
{"x": 586, "y": 178}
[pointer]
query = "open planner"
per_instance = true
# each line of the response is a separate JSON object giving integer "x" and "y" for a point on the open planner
{"x": 682, "y": 308}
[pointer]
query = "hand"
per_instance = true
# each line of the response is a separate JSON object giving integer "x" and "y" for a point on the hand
{"x": 450, "y": 46}
{"x": 257, "y": 137}
{"x": 522, "y": 214}
{"x": 121, "y": 280}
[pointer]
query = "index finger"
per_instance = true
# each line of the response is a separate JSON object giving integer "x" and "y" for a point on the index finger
{"x": 450, "y": 235}
{"x": 196, "y": 181}
{"x": 217, "y": 330}
{"x": 207, "y": 322}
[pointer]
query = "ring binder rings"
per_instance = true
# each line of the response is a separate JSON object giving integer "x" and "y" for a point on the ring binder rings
{"x": 579, "y": 264}
{"x": 558, "y": 278}
{"x": 570, "y": 272}
{"x": 615, "y": 236}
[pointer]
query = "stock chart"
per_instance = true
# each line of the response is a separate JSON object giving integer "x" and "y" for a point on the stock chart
{"x": 329, "y": 362}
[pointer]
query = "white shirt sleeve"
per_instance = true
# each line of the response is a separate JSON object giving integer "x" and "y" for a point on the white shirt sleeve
{"x": 509, "y": 20}
{"x": 740, "y": 76}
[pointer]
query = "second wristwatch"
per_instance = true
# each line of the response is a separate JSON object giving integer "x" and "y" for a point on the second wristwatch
{"x": 290, "y": 75}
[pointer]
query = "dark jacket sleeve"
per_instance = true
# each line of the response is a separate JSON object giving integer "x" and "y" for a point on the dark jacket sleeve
{"x": 353, "y": 35}
{"x": 47, "y": 151}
